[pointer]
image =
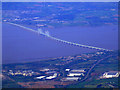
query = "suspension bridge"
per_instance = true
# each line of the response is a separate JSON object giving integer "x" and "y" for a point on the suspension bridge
{"x": 46, "y": 33}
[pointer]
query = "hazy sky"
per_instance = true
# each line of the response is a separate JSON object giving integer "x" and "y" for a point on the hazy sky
{"x": 60, "y": 0}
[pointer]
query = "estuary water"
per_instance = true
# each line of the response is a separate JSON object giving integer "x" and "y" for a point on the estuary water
{"x": 20, "y": 45}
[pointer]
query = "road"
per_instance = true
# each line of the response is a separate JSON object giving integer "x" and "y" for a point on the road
{"x": 94, "y": 66}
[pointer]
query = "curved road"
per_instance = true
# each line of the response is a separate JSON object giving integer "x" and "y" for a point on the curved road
{"x": 94, "y": 66}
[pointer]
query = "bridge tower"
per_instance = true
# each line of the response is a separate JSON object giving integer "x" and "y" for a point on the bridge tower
{"x": 47, "y": 33}
{"x": 40, "y": 31}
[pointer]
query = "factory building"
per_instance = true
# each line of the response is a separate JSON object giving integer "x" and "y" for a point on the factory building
{"x": 71, "y": 79}
{"x": 75, "y": 74}
{"x": 77, "y": 70}
{"x": 67, "y": 70}
{"x": 52, "y": 77}
{"x": 110, "y": 74}
{"x": 41, "y": 77}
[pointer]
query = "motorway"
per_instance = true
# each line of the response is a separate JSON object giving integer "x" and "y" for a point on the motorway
{"x": 94, "y": 66}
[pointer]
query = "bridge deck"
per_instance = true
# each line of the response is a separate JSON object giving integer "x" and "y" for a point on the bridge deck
{"x": 64, "y": 41}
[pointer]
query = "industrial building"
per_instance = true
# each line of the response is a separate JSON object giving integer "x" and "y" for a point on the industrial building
{"x": 71, "y": 79}
{"x": 110, "y": 74}
{"x": 67, "y": 70}
{"x": 75, "y": 74}
{"x": 77, "y": 70}
{"x": 41, "y": 77}
{"x": 44, "y": 69}
{"x": 52, "y": 77}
